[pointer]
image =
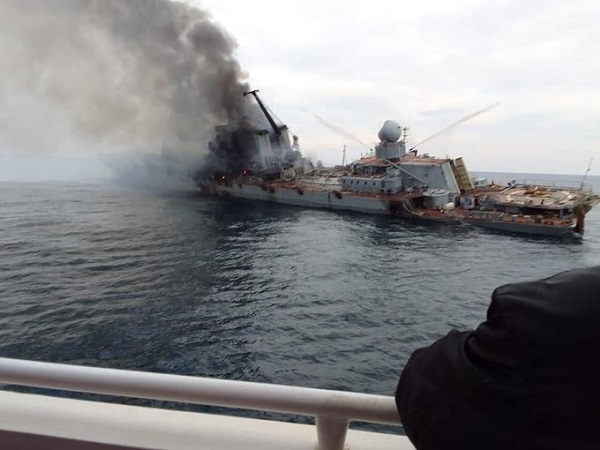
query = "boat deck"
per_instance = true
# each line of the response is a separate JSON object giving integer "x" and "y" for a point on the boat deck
{"x": 40, "y": 422}
{"x": 536, "y": 197}
{"x": 36, "y": 421}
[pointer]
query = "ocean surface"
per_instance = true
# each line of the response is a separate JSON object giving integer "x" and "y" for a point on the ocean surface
{"x": 102, "y": 275}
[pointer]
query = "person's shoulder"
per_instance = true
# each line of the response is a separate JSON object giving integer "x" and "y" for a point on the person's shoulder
{"x": 570, "y": 293}
{"x": 558, "y": 311}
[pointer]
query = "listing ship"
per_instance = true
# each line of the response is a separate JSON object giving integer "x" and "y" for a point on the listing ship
{"x": 391, "y": 180}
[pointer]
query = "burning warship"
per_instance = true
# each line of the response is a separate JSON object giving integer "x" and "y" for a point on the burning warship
{"x": 261, "y": 163}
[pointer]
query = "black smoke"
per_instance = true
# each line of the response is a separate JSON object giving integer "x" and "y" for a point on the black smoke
{"x": 119, "y": 74}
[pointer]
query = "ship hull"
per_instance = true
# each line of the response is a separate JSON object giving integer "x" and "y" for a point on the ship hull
{"x": 538, "y": 229}
{"x": 307, "y": 198}
{"x": 379, "y": 204}
{"x": 524, "y": 228}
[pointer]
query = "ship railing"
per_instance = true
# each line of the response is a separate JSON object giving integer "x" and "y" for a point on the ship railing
{"x": 332, "y": 410}
{"x": 571, "y": 185}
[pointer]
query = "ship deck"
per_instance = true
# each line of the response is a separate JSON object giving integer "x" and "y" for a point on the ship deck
{"x": 542, "y": 198}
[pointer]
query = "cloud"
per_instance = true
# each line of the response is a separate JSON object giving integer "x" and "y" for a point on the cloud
{"x": 357, "y": 64}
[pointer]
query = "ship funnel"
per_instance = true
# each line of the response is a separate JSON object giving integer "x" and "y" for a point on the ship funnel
{"x": 390, "y": 131}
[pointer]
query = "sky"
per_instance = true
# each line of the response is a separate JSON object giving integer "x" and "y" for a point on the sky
{"x": 426, "y": 65}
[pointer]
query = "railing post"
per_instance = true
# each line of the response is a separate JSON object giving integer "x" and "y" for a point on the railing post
{"x": 331, "y": 432}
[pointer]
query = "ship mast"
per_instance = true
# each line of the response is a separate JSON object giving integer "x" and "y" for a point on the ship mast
{"x": 587, "y": 171}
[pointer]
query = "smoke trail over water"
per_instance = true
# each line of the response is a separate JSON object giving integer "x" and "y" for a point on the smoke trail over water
{"x": 114, "y": 74}
{"x": 458, "y": 122}
{"x": 338, "y": 130}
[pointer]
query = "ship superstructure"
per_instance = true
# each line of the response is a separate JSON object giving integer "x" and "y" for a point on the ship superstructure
{"x": 390, "y": 180}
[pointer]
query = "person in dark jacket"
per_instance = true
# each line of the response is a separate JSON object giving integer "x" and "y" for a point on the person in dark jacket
{"x": 527, "y": 378}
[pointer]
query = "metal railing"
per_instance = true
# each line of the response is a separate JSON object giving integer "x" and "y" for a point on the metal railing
{"x": 567, "y": 184}
{"x": 332, "y": 409}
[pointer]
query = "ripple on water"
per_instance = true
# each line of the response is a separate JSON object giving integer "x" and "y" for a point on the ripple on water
{"x": 102, "y": 276}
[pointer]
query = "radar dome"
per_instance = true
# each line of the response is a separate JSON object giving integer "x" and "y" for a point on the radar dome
{"x": 390, "y": 131}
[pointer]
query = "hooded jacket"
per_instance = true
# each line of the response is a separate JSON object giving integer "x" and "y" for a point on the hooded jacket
{"x": 527, "y": 378}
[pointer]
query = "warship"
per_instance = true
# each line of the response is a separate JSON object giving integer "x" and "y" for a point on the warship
{"x": 262, "y": 163}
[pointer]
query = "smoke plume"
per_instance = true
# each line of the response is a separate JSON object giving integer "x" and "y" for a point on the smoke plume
{"x": 119, "y": 74}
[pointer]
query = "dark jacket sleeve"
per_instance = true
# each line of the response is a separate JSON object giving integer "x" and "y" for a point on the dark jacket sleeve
{"x": 525, "y": 378}
{"x": 448, "y": 401}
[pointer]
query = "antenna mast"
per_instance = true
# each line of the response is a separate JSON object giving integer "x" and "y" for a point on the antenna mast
{"x": 405, "y": 134}
{"x": 587, "y": 171}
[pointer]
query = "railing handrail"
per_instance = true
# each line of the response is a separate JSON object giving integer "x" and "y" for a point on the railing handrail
{"x": 328, "y": 406}
{"x": 567, "y": 184}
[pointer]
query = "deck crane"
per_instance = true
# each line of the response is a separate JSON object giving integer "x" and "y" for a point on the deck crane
{"x": 278, "y": 154}
{"x": 276, "y": 129}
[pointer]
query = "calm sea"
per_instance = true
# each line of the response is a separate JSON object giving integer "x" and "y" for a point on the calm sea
{"x": 101, "y": 275}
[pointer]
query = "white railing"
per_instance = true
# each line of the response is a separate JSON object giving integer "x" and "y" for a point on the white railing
{"x": 331, "y": 409}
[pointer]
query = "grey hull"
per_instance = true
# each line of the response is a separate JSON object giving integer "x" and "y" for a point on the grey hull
{"x": 323, "y": 199}
{"x": 508, "y": 227}
{"x": 526, "y": 228}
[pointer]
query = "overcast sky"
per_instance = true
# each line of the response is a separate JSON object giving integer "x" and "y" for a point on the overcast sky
{"x": 427, "y": 64}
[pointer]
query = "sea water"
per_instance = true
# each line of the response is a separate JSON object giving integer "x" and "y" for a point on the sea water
{"x": 100, "y": 275}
